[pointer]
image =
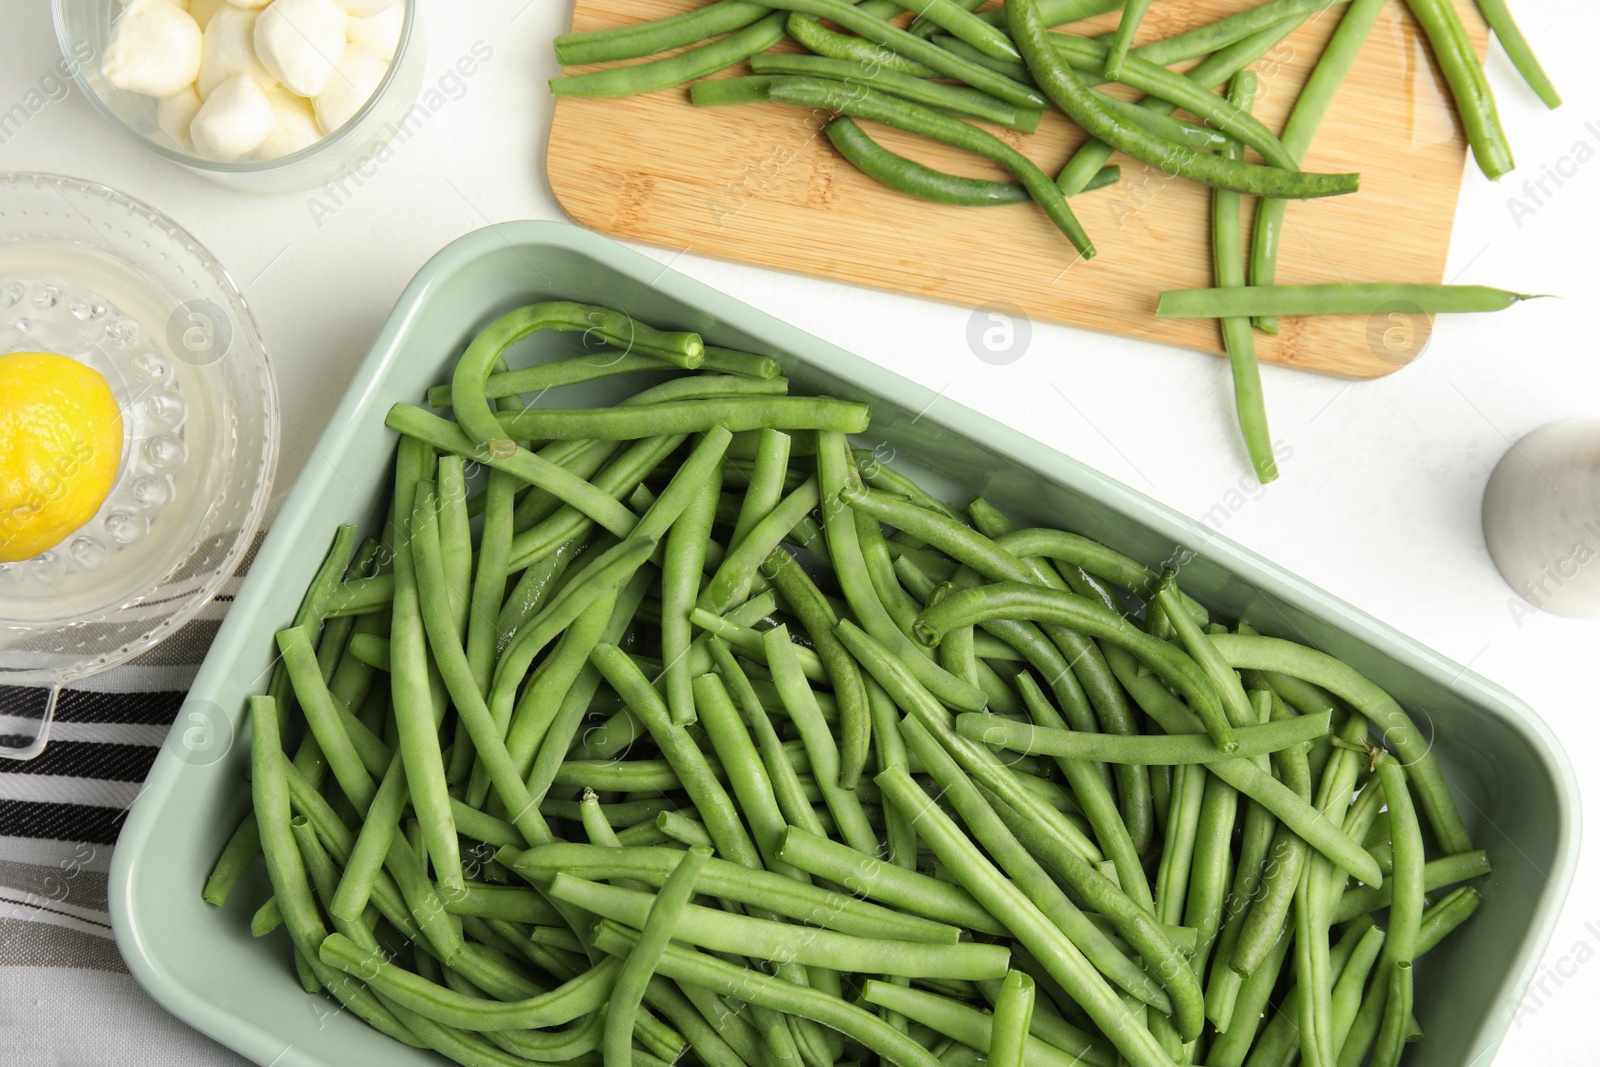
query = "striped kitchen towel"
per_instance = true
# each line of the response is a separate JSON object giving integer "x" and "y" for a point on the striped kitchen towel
{"x": 65, "y": 995}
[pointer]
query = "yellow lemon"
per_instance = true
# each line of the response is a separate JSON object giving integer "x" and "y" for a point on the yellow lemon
{"x": 60, "y": 447}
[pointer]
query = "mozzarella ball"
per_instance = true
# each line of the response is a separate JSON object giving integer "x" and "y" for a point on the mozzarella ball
{"x": 297, "y": 125}
{"x": 154, "y": 49}
{"x": 300, "y": 42}
{"x": 250, "y": 5}
{"x": 358, "y": 76}
{"x": 230, "y": 51}
{"x": 174, "y": 114}
{"x": 381, "y": 32}
{"x": 234, "y": 121}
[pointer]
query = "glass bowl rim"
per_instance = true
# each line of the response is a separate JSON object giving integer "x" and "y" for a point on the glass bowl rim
{"x": 256, "y": 508}
{"x": 251, "y": 166}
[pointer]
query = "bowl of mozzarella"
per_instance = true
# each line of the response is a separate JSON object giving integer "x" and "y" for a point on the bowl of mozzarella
{"x": 262, "y": 95}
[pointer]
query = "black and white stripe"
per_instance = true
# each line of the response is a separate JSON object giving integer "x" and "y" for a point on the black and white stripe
{"x": 61, "y": 812}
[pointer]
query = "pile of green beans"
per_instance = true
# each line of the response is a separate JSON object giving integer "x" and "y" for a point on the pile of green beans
{"x": 940, "y": 74}
{"x": 769, "y": 757}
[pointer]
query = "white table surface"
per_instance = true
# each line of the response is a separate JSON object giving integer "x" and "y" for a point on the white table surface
{"x": 1378, "y": 502}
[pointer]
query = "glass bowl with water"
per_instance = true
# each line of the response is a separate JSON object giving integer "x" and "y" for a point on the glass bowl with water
{"x": 96, "y": 276}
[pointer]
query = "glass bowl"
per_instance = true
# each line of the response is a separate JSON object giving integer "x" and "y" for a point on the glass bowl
{"x": 83, "y": 29}
{"x": 96, "y": 276}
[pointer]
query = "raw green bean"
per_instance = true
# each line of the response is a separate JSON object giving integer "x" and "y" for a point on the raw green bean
{"x": 541, "y": 377}
{"x": 455, "y": 537}
{"x": 1177, "y": 853}
{"x": 266, "y": 919}
{"x": 863, "y": 103}
{"x": 1399, "y": 734}
{"x": 883, "y": 477}
{"x": 753, "y": 987}
{"x": 575, "y": 999}
{"x": 524, "y": 465}
{"x": 604, "y": 574}
{"x": 737, "y": 573}
{"x": 1211, "y": 73}
{"x": 764, "y": 486}
{"x": 688, "y": 762}
{"x": 508, "y": 903}
{"x": 1286, "y": 862}
{"x": 415, "y": 715}
{"x": 1302, "y": 820}
{"x": 322, "y": 716}
{"x": 1184, "y": 133}
{"x": 545, "y": 695}
{"x": 820, "y": 743}
{"x": 1015, "y": 600}
{"x": 1334, "y": 299}
{"x": 687, "y": 416}
{"x": 815, "y": 37}
{"x": 1122, "y": 41}
{"x": 1164, "y": 749}
{"x": 879, "y": 880}
{"x": 984, "y": 766}
{"x": 721, "y": 931}
{"x": 914, "y": 48}
{"x": 744, "y": 364}
{"x": 976, "y": 1028}
{"x": 472, "y": 371}
{"x": 682, "y": 571}
{"x": 1024, "y": 870}
{"x": 1210, "y": 869}
{"x": 748, "y": 641}
{"x": 1214, "y": 36}
{"x": 950, "y": 99}
{"x": 657, "y": 35}
{"x": 618, "y": 479}
{"x": 1311, "y": 965}
{"x": 1089, "y": 110}
{"x": 1396, "y": 1018}
{"x": 1094, "y": 797}
{"x": 958, "y": 20}
{"x": 914, "y": 179}
{"x": 737, "y": 752}
{"x": 1498, "y": 15}
{"x": 1235, "y": 703}
{"x": 1316, "y": 96}
{"x": 1238, "y": 340}
{"x": 1187, "y": 94}
{"x": 768, "y": 890}
{"x": 803, "y": 598}
{"x": 844, "y": 549}
{"x": 370, "y": 648}
{"x": 659, "y": 927}
{"x": 469, "y": 699}
{"x": 1025, "y": 922}
{"x": 372, "y": 844}
{"x": 1059, "y": 12}
{"x": 1469, "y": 84}
{"x": 787, "y": 791}
{"x": 707, "y": 59}
{"x": 1233, "y": 1045}
{"x": 1016, "y": 70}
{"x": 489, "y": 583}
{"x": 1374, "y": 1021}
{"x": 287, "y": 871}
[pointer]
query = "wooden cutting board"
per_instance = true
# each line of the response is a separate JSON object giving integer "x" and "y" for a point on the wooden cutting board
{"x": 760, "y": 184}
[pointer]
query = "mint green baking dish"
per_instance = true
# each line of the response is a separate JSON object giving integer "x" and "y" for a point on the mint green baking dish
{"x": 1513, "y": 782}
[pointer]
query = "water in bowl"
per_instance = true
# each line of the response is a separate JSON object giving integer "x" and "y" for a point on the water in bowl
{"x": 85, "y": 304}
